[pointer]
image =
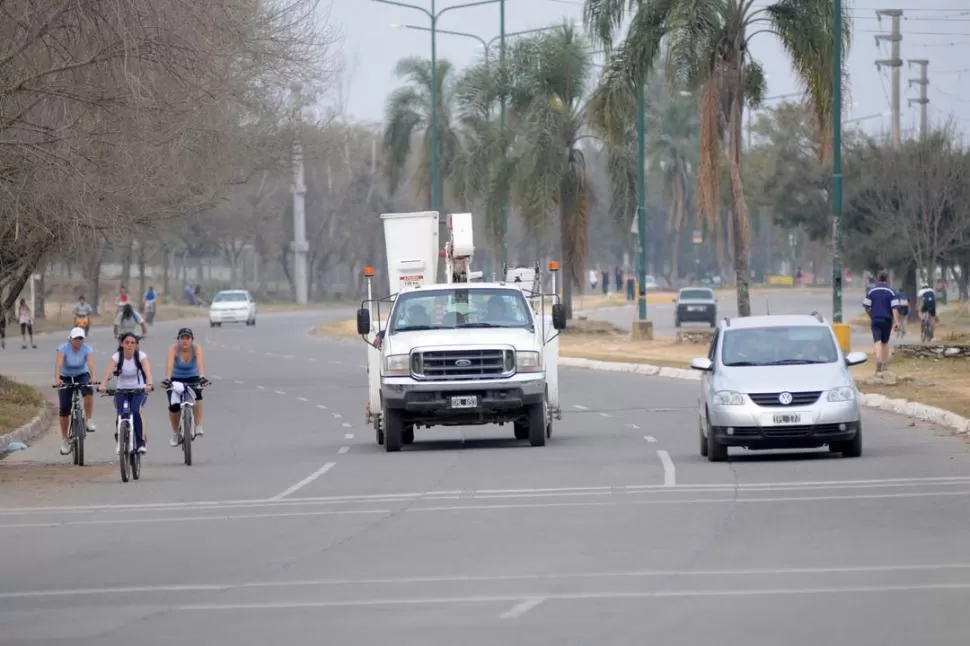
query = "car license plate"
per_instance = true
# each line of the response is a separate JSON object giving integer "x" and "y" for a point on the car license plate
{"x": 464, "y": 402}
{"x": 785, "y": 419}
{"x": 694, "y": 308}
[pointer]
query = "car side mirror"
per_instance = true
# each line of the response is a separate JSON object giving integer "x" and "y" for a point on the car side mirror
{"x": 701, "y": 363}
{"x": 855, "y": 358}
{"x": 559, "y": 316}
{"x": 363, "y": 321}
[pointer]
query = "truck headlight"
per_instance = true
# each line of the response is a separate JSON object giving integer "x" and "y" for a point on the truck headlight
{"x": 528, "y": 362}
{"x": 844, "y": 394}
{"x": 729, "y": 398}
{"x": 397, "y": 365}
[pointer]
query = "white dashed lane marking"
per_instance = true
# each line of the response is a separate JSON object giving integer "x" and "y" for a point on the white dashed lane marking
{"x": 345, "y": 424}
{"x": 303, "y": 399}
{"x": 280, "y": 392}
{"x": 321, "y": 407}
{"x": 349, "y": 436}
{"x": 238, "y": 382}
{"x": 343, "y": 449}
{"x": 650, "y": 438}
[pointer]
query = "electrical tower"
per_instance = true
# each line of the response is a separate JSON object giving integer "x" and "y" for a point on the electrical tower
{"x": 895, "y": 62}
{"x": 923, "y": 100}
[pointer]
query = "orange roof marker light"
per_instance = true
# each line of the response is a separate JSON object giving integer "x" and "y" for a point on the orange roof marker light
{"x": 369, "y": 272}
{"x": 553, "y": 265}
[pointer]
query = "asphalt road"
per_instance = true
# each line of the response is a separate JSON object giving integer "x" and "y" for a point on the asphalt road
{"x": 791, "y": 301}
{"x": 294, "y": 526}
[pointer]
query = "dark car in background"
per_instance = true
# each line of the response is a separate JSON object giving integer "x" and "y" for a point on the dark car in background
{"x": 695, "y": 305}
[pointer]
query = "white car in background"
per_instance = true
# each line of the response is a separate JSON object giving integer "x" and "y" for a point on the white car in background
{"x": 232, "y": 306}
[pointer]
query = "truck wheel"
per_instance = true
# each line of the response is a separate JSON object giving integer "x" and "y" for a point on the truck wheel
{"x": 521, "y": 431}
{"x": 537, "y": 424}
{"x": 379, "y": 434}
{"x": 408, "y": 436}
{"x": 393, "y": 430}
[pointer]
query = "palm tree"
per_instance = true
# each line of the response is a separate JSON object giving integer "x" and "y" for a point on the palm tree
{"x": 409, "y": 111}
{"x": 544, "y": 81}
{"x": 705, "y": 47}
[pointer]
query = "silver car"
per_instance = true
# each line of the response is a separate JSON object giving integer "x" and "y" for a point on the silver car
{"x": 777, "y": 382}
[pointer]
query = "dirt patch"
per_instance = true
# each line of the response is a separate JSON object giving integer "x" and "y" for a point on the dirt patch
{"x": 944, "y": 383}
{"x": 18, "y": 405}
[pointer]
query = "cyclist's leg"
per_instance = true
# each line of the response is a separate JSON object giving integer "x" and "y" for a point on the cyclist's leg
{"x": 64, "y": 414}
{"x": 197, "y": 407}
{"x": 87, "y": 394}
{"x": 174, "y": 410}
{"x": 137, "y": 402}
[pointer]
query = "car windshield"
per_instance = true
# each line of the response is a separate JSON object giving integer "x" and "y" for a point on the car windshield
{"x": 460, "y": 308}
{"x": 779, "y": 346}
{"x": 230, "y": 297}
{"x": 697, "y": 294}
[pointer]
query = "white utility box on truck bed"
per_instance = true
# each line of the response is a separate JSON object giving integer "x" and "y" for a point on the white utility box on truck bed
{"x": 458, "y": 353}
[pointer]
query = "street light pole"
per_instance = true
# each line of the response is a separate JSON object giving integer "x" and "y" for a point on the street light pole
{"x": 837, "y": 270}
{"x": 433, "y": 16}
{"x": 505, "y": 201}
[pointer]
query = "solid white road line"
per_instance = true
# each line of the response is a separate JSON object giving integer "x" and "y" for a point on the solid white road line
{"x": 408, "y": 581}
{"x": 670, "y": 473}
{"x": 650, "y": 438}
{"x": 520, "y": 609}
{"x": 307, "y": 480}
{"x": 582, "y": 596}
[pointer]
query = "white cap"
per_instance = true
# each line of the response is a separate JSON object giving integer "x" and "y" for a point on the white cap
{"x": 77, "y": 333}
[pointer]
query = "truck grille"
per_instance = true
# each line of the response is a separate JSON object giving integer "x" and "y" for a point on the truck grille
{"x": 462, "y": 364}
{"x": 797, "y": 399}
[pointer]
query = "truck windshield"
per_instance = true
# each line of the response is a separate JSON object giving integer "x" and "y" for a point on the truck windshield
{"x": 454, "y": 308}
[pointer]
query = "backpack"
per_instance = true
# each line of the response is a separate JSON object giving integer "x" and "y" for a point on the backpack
{"x": 121, "y": 362}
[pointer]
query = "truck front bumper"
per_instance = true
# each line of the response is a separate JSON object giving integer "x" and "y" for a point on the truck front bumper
{"x": 433, "y": 400}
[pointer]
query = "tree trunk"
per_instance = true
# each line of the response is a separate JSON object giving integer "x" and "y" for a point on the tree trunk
{"x": 565, "y": 270}
{"x": 740, "y": 219}
{"x": 126, "y": 267}
{"x": 141, "y": 274}
{"x": 40, "y": 293}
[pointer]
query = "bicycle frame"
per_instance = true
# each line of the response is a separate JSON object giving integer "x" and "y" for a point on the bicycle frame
{"x": 128, "y": 456}
{"x": 77, "y": 428}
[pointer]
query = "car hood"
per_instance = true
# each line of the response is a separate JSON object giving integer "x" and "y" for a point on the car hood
{"x": 404, "y": 342}
{"x": 774, "y": 379}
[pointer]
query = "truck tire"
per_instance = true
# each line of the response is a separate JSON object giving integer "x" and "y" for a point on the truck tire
{"x": 393, "y": 431}
{"x": 408, "y": 436}
{"x": 537, "y": 424}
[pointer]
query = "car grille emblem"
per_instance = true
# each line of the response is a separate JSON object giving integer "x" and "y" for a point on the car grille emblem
{"x": 784, "y": 399}
{"x": 463, "y": 363}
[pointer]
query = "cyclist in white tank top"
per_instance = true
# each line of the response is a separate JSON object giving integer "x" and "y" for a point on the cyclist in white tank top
{"x": 134, "y": 372}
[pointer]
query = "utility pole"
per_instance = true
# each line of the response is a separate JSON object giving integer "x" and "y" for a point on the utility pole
{"x": 922, "y": 81}
{"x": 300, "y": 246}
{"x": 894, "y": 37}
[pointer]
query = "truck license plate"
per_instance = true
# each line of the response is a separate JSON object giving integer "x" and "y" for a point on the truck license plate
{"x": 464, "y": 402}
{"x": 785, "y": 419}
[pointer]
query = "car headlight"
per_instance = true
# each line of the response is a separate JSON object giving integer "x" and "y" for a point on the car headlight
{"x": 528, "y": 361}
{"x": 397, "y": 365}
{"x": 729, "y": 398}
{"x": 844, "y": 394}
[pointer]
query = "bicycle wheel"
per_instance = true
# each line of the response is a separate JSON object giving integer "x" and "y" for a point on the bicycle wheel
{"x": 187, "y": 428}
{"x": 80, "y": 430}
{"x": 136, "y": 465}
{"x": 123, "y": 451}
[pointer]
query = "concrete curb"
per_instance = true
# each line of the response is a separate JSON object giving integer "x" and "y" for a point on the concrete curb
{"x": 913, "y": 410}
{"x": 31, "y": 430}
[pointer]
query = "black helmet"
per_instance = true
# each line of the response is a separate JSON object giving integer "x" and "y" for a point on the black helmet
{"x": 186, "y": 331}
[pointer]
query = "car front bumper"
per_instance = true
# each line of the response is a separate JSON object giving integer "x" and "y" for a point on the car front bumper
{"x": 752, "y": 425}
{"x": 498, "y": 398}
{"x": 229, "y": 316}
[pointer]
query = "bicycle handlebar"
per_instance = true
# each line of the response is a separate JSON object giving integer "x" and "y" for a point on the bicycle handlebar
{"x": 76, "y": 385}
{"x": 167, "y": 383}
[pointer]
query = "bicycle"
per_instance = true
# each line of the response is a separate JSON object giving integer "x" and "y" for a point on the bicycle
{"x": 77, "y": 429}
{"x": 186, "y": 430}
{"x": 129, "y": 459}
{"x": 926, "y": 328}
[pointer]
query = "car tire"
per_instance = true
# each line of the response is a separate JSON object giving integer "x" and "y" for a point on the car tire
{"x": 852, "y": 448}
{"x": 393, "y": 431}
{"x": 537, "y": 423}
{"x": 703, "y": 439}
{"x": 716, "y": 452}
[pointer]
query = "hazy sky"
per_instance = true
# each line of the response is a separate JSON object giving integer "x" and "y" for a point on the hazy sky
{"x": 938, "y": 30}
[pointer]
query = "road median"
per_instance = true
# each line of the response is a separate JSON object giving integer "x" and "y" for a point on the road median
{"x": 931, "y": 383}
{"x": 24, "y": 413}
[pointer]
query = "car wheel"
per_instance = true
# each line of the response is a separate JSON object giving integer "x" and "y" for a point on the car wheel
{"x": 852, "y": 448}
{"x": 703, "y": 440}
{"x": 537, "y": 423}
{"x": 211, "y": 324}
{"x": 716, "y": 452}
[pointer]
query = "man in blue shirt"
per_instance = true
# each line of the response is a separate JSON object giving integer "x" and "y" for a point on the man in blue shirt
{"x": 882, "y": 305}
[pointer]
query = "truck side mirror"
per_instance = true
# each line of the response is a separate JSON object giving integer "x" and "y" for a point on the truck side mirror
{"x": 559, "y": 316}
{"x": 363, "y": 321}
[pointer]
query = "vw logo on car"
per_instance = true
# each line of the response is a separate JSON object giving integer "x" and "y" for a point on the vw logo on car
{"x": 784, "y": 399}
{"x": 463, "y": 363}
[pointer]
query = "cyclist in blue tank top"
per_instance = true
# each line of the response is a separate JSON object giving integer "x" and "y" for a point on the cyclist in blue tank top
{"x": 186, "y": 365}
